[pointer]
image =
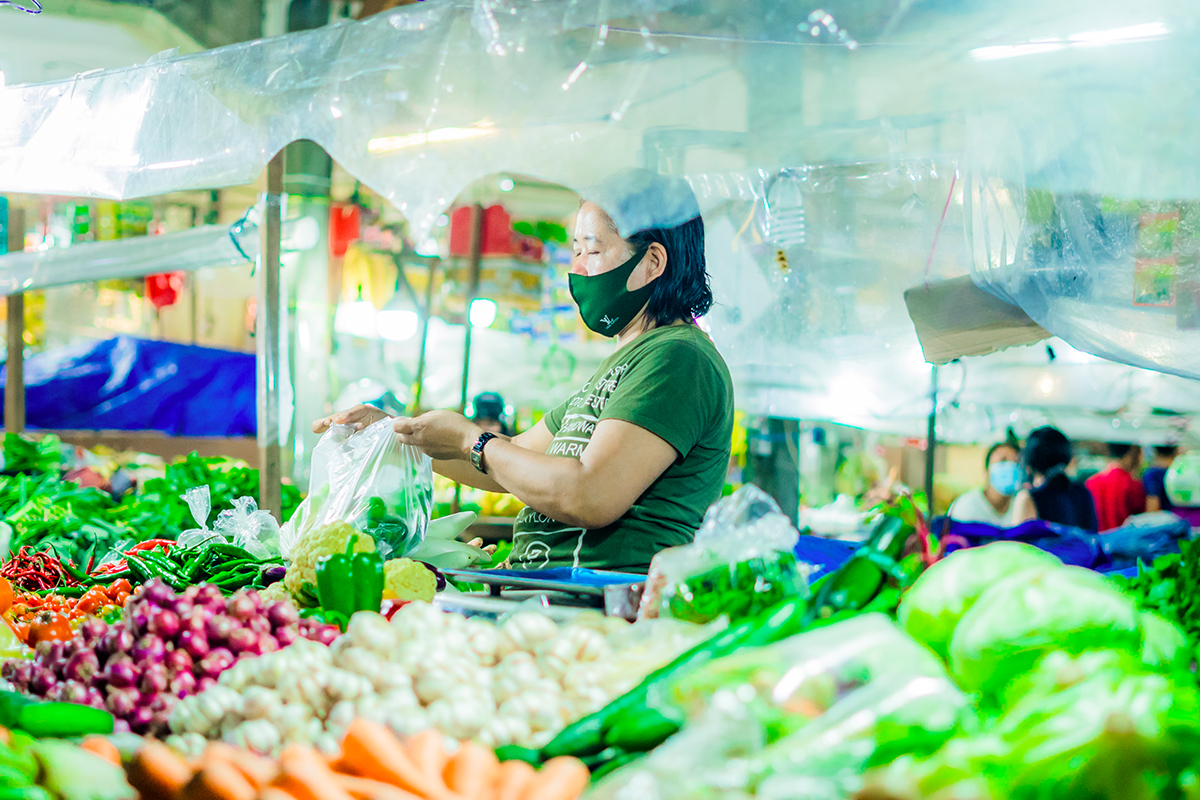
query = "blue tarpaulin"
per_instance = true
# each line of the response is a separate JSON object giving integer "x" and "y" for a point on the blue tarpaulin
{"x": 129, "y": 384}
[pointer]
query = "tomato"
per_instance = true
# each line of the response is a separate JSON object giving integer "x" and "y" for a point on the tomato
{"x": 49, "y": 626}
{"x": 6, "y": 596}
{"x": 119, "y": 586}
{"x": 120, "y": 599}
{"x": 91, "y": 600}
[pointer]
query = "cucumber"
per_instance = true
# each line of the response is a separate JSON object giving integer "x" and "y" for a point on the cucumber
{"x": 641, "y": 730}
{"x": 514, "y": 752}
{"x": 583, "y": 738}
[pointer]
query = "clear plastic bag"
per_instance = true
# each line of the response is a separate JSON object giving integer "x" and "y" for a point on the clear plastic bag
{"x": 371, "y": 481}
{"x": 244, "y": 525}
{"x": 741, "y": 562}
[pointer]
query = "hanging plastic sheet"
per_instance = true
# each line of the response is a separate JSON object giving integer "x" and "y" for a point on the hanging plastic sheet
{"x": 128, "y": 384}
{"x": 838, "y": 153}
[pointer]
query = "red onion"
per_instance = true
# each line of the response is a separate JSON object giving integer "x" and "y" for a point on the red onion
{"x": 267, "y": 643}
{"x": 286, "y": 636}
{"x": 259, "y": 624}
{"x": 196, "y": 621}
{"x": 137, "y": 617}
{"x": 154, "y": 680}
{"x": 118, "y": 639}
{"x": 9, "y": 670}
{"x": 48, "y": 652}
{"x": 94, "y": 698}
{"x": 194, "y": 644}
{"x": 82, "y": 666}
{"x": 164, "y": 624}
{"x": 178, "y": 661}
{"x": 183, "y": 684}
{"x": 121, "y": 673}
{"x": 216, "y": 662}
{"x": 92, "y": 629}
{"x": 241, "y": 607}
{"x": 72, "y": 692}
{"x": 55, "y": 694}
{"x": 191, "y": 592}
{"x": 244, "y": 640}
{"x": 140, "y": 719}
{"x": 163, "y": 703}
{"x": 72, "y": 646}
{"x": 204, "y": 684}
{"x": 326, "y": 634}
{"x": 42, "y": 681}
{"x": 282, "y": 614}
{"x": 183, "y": 607}
{"x": 157, "y": 592}
{"x": 219, "y": 628}
{"x": 149, "y": 648}
{"x": 121, "y": 726}
{"x": 209, "y": 596}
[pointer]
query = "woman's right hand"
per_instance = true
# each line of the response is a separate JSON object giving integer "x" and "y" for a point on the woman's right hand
{"x": 360, "y": 416}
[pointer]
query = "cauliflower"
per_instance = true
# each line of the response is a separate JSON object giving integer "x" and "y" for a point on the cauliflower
{"x": 325, "y": 541}
{"x": 276, "y": 591}
{"x": 408, "y": 580}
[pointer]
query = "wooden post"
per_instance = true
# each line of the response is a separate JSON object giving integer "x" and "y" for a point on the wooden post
{"x": 14, "y": 385}
{"x": 267, "y": 328}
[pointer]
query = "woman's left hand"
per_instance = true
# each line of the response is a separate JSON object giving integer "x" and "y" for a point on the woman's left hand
{"x": 441, "y": 435}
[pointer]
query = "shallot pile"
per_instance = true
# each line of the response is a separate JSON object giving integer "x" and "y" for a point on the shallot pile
{"x": 167, "y": 646}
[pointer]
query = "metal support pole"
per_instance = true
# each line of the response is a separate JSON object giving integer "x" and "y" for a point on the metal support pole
{"x": 472, "y": 290}
{"x": 14, "y": 385}
{"x": 267, "y": 328}
{"x": 931, "y": 443}
{"x": 426, "y": 313}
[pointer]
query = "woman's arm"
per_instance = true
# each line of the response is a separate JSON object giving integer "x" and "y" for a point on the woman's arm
{"x": 537, "y": 439}
{"x": 616, "y": 467}
{"x": 1023, "y": 507}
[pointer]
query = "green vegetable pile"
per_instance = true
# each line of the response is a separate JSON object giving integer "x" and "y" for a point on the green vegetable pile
{"x": 45, "y": 512}
{"x": 739, "y": 590}
{"x": 1171, "y": 587}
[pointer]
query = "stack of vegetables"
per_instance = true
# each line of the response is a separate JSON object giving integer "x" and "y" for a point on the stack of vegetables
{"x": 167, "y": 646}
{"x": 519, "y": 682}
{"x": 52, "y": 769}
{"x": 371, "y": 762}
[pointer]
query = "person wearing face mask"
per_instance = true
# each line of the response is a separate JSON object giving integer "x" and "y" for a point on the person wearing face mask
{"x": 993, "y": 503}
{"x": 627, "y": 465}
{"x": 1053, "y": 496}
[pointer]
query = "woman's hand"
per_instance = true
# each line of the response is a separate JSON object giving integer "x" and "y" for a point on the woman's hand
{"x": 441, "y": 435}
{"x": 359, "y": 417}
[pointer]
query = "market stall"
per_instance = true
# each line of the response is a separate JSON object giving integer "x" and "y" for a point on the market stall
{"x": 323, "y": 659}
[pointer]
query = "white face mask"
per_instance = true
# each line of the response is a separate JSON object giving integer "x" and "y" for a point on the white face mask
{"x": 1006, "y": 477}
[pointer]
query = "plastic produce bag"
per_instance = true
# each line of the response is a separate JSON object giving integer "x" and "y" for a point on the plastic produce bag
{"x": 740, "y": 563}
{"x": 371, "y": 481}
{"x": 245, "y": 525}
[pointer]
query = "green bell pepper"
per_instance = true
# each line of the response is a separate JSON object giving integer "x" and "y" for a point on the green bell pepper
{"x": 350, "y": 582}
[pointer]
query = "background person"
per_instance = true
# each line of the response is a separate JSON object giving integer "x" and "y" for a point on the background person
{"x": 1154, "y": 477}
{"x": 993, "y": 503}
{"x": 1116, "y": 490}
{"x": 1053, "y": 496}
{"x": 489, "y": 414}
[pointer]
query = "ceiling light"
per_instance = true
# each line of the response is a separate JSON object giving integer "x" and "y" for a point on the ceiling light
{"x": 397, "y": 325}
{"x": 356, "y": 318}
{"x": 388, "y": 144}
{"x": 483, "y": 312}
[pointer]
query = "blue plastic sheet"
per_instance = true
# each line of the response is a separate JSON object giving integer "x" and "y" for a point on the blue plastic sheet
{"x": 823, "y": 555}
{"x": 578, "y": 575}
{"x": 1071, "y": 545}
{"x": 1145, "y": 537}
{"x": 129, "y": 384}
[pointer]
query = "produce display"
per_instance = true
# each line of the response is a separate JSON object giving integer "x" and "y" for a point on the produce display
{"x": 515, "y": 683}
{"x": 166, "y": 646}
{"x": 51, "y": 769}
{"x": 371, "y": 762}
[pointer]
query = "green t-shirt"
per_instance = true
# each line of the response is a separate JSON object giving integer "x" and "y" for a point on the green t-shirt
{"x": 672, "y": 382}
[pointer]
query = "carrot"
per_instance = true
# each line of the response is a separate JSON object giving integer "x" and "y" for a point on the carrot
{"x": 562, "y": 778}
{"x": 371, "y": 751}
{"x": 427, "y": 750}
{"x": 99, "y": 746}
{"x": 218, "y": 781}
{"x": 157, "y": 773}
{"x": 471, "y": 772}
{"x": 512, "y": 779}
{"x": 258, "y": 770}
{"x": 306, "y": 775}
{"x": 276, "y": 793}
{"x": 367, "y": 789}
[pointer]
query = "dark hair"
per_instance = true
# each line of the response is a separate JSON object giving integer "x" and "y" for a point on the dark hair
{"x": 1119, "y": 449}
{"x": 1166, "y": 450}
{"x": 987, "y": 460}
{"x": 1047, "y": 448}
{"x": 682, "y": 291}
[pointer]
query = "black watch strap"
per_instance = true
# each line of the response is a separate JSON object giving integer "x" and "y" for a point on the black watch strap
{"x": 477, "y": 450}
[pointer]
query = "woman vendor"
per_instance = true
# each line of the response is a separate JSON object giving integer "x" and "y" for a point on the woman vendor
{"x": 628, "y": 465}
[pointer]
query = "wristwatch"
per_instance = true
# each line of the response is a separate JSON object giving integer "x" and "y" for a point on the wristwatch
{"x": 477, "y": 450}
